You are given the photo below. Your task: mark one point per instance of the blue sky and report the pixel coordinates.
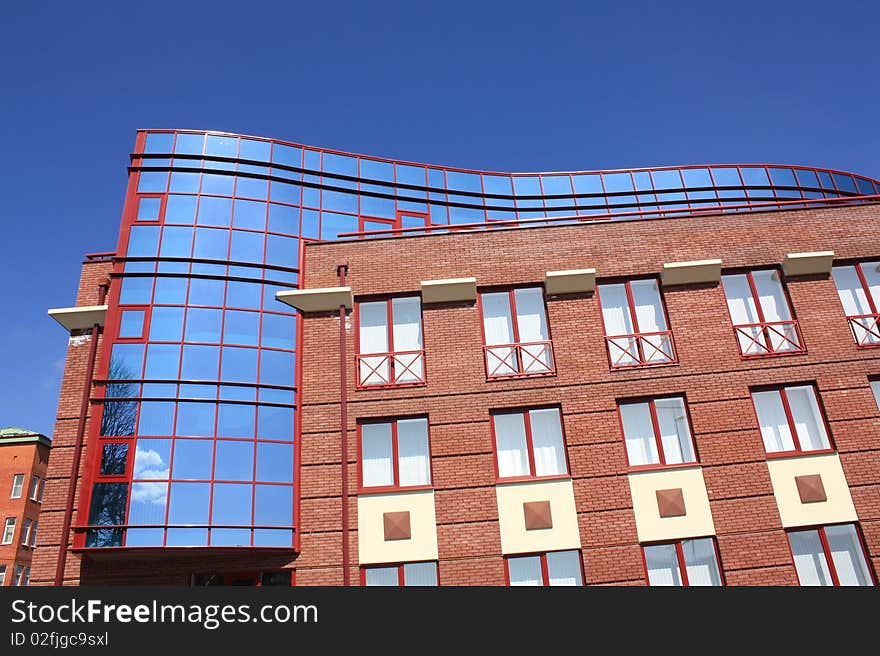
(502, 86)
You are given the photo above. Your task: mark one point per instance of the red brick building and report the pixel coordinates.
(663, 376)
(23, 458)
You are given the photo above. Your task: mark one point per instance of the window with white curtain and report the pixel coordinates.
(35, 488)
(529, 443)
(790, 419)
(683, 563)
(19, 575)
(395, 453)
(657, 432)
(2, 575)
(830, 555)
(26, 531)
(554, 568)
(636, 329)
(405, 574)
(517, 339)
(875, 387)
(760, 313)
(8, 531)
(390, 350)
(17, 485)
(858, 287)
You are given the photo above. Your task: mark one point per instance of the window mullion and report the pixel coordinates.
(828, 559)
(768, 344)
(391, 375)
(783, 394)
(682, 565)
(655, 424)
(866, 288)
(631, 305)
(530, 447)
(401, 580)
(395, 470)
(545, 571)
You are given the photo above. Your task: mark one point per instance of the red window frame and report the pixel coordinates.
(529, 444)
(655, 424)
(786, 406)
(163, 198)
(679, 552)
(872, 320)
(784, 329)
(545, 572)
(143, 337)
(518, 346)
(401, 581)
(638, 336)
(396, 486)
(826, 549)
(390, 356)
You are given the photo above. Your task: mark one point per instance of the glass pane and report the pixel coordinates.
(675, 435)
(510, 445)
(615, 310)
(700, 562)
(852, 293)
(279, 331)
(662, 562)
(649, 310)
(277, 368)
(118, 418)
(107, 507)
(274, 506)
(274, 462)
(275, 423)
(740, 301)
(163, 361)
(525, 571)
(381, 576)
(151, 459)
(773, 422)
(188, 503)
(809, 558)
(407, 317)
(875, 387)
(638, 432)
(420, 574)
(531, 317)
(195, 419)
(547, 442)
(126, 361)
(113, 459)
(412, 452)
(808, 420)
(148, 501)
(497, 321)
(847, 555)
(234, 461)
(200, 362)
(772, 298)
(192, 459)
(376, 455)
(231, 504)
(180, 209)
(564, 568)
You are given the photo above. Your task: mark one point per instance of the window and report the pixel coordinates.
(829, 555)
(657, 432)
(34, 535)
(552, 568)
(17, 577)
(875, 387)
(394, 453)
(790, 419)
(26, 577)
(8, 531)
(42, 487)
(26, 531)
(407, 574)
(390, 350)
(515, 332)
(687, 562)
(17, 485)
(761, 314)
(636, 330)
(2, 575)
(529, 443)
(35, 489)
(858, 286)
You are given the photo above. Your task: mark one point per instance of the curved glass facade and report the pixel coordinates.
(197, 443)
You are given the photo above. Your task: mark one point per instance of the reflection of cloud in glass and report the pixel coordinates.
(154, 493)
(149, 464)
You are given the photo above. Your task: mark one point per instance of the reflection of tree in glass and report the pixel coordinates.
(113, 459)
(118, 417)
(107, 509)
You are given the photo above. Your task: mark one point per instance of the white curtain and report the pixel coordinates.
(510, 443)
(675, 436)
(700, 562)
(498, 329)
(847, 555)
(376, 455)
(807, 418)
(651, 318)
(638, 431)
(420, 574)
(849, 288)
(662, 565)
(875, 386)
(412, 452)
(742, 308)
(871, 271)
(774, 425)
(774, 305)
(525, 570)
(564, 568)
(618, 321)
(531, 321)
(809, 558)
(381, 576)
(547, 442)
(407, 334)
(373, 338)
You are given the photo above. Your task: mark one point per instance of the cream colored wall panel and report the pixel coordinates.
(838, 507)
(422, 544)
(651, 527)
(511, 520)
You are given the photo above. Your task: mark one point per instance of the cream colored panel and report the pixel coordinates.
(79, 318)
(446, 291)
(804, 264)
(422, 545)
(687, 273)
(317, 300)
(511, 520)
(651, 527)
(570, 282)
(838, 507)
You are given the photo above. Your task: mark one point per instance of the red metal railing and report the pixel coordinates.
(865, 329)
(769, 338)
(397, 368)
(641, 349)
(520, 359)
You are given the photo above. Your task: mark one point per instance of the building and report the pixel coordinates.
(623, 377)
(23, 458)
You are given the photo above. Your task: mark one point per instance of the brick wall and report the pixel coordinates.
(30, 460)
(711, 374)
